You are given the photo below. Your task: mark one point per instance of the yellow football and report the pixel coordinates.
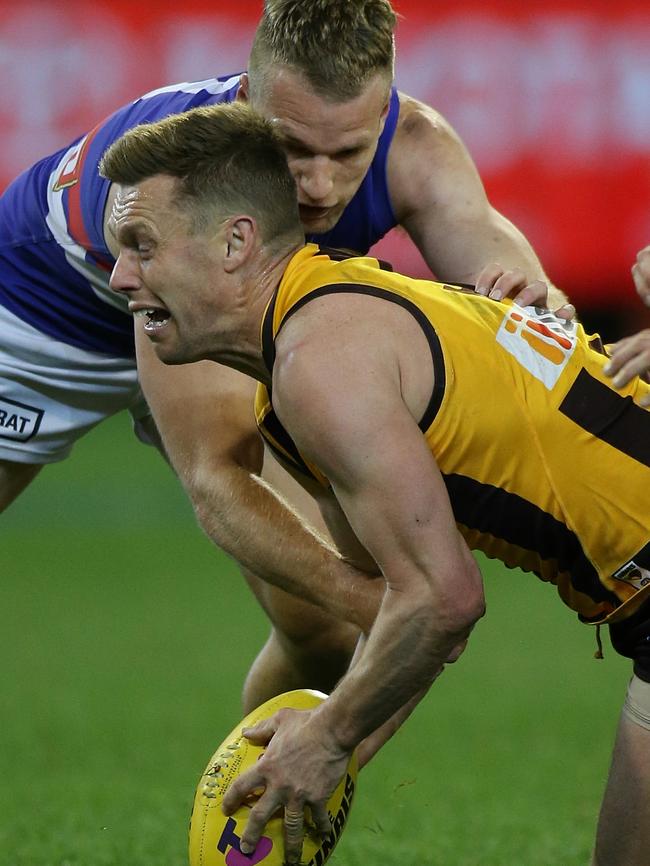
(214, 838)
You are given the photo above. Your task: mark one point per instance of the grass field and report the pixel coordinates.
(125, 638)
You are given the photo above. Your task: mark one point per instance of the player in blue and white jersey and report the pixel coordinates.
(365, 159)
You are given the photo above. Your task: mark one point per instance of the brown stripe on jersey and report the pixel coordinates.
(339, 254)
(596, 343)
(268, 341)
(281, 443)
(617, 420)
(505, 515)
(438, 390)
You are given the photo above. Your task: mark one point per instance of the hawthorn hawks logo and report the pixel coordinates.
(539, 340)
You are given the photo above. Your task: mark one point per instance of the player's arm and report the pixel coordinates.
(204, 412)
(439, 198)
(346, 412)
(630, 356)
(393, 495)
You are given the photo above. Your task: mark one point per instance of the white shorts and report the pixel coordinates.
(52, 393)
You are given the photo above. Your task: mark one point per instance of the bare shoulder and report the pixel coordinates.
(324, 340)
(427, 158)
(341, 353)
(419, 125)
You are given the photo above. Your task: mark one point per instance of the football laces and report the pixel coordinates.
(216, 772)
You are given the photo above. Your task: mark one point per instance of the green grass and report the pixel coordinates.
(125, 637)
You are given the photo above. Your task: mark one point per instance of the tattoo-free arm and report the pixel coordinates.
(342, 402)
(439, 198)
(395, 499)
(204, 413)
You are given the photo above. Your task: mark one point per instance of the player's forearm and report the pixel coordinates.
(369, 747)
(243, 517)
(410, 641)
(491, 241)
(517, 252)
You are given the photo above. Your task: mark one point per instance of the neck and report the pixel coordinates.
(242, 347)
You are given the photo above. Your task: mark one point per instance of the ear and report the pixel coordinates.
(244, 88)
(241, 238)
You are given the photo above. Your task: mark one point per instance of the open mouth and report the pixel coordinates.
(156, 318)
(309, 213)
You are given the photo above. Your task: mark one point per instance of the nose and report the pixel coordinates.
(124, 277)
(316, 179)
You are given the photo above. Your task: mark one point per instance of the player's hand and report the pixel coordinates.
(641, 275)
(496, 282)
(301, 766)
(630, 357)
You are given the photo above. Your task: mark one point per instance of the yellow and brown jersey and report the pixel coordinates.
(546, 465)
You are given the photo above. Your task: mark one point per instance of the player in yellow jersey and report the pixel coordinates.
(425, 421)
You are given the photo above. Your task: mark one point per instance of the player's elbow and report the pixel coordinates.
(460, 601)
(447, 614)
(461, 614)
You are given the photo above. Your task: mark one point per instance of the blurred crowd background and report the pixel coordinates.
(552, 100)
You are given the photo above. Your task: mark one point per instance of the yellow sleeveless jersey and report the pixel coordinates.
(546, 465)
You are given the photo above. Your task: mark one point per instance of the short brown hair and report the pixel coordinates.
(338, 45)
(227, 158)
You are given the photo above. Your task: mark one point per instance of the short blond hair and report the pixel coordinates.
(338, 45)
(227, 158)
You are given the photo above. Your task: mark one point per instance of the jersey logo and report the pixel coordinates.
(18, 421)
(540, 341)
(633, 574)
(70, 171)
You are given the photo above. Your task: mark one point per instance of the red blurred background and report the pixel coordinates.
(552, 100)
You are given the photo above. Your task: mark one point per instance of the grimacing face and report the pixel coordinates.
(329, 145)
(166, 269)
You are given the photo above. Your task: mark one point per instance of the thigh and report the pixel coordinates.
(52, 393)
(623, 836)
(299, 623)
(14, 478)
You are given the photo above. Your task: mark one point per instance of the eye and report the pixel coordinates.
(350, 153)
(298, 152)
(143, 244)
(144, 252)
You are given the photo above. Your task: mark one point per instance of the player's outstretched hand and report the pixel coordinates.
(496, 282)
(641, 275)
(630, 357)
(300, 768)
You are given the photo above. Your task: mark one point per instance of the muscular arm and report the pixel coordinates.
(395, 499)
(440, 200)
(204, 413)
(343, 393)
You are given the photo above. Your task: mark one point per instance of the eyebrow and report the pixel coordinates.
(291, 141)
(131, 232)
